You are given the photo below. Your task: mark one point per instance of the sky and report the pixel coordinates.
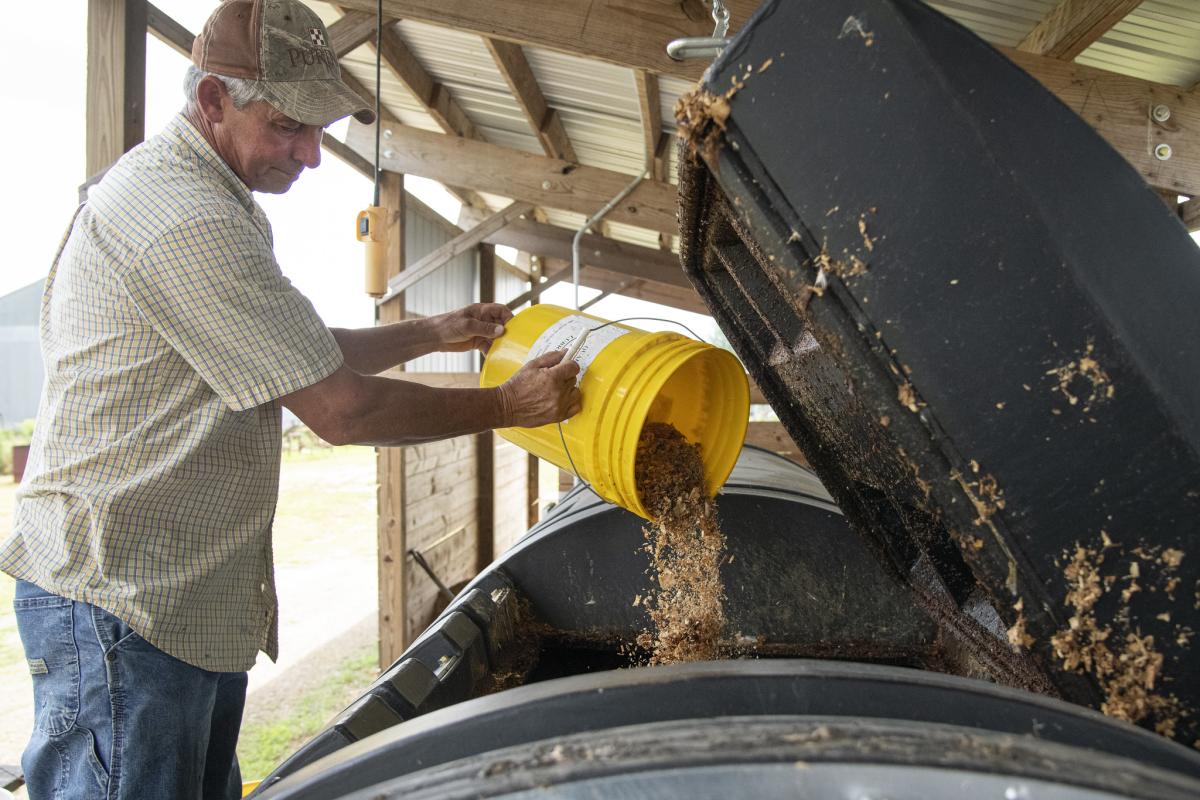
(313, 224)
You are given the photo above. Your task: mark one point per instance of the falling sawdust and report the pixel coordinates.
(1124, 663)
(686, 548)
(1082, 381)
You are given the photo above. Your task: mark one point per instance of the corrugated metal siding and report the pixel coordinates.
(1003, 23)
(1159, 41)
(508, 285)
(21, 373)
(453, 286)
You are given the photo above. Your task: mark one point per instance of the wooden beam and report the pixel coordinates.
(394, 635)
(546, 124)
(650, 291)
(485, 443)
(456, 246)
(116, 80)
(631, 33)
(1118, 107)
(547, 182)
(354, 28)
(650, 103)
(168, 31)
(1189, 212)
(1073, 25)
(595, 251)
(352, 159)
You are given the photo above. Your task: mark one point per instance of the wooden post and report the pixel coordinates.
(393, 540)
(485, 443)
(116, 80)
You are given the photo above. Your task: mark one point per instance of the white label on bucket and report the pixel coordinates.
(562, 334)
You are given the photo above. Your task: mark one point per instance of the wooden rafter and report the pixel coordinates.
(451, 249)
(354, 28)
(550, 241)
(547, 182)
(544, 120)
(1073, 25)
(1189, 212)
(625, 32)
(650, 103)
(351, 158)
(614, 282)
(168, 31)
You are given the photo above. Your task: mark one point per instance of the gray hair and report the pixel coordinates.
(241, 90)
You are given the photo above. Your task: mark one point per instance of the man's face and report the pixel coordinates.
(267, 149)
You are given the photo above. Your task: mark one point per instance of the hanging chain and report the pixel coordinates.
(720, 15)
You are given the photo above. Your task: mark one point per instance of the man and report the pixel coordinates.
(141, 540)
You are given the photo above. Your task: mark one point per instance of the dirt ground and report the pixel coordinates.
(325, 572)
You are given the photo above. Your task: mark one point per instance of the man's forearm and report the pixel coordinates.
(398, 412)
(369, 351)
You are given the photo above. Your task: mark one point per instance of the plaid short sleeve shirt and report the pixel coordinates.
(168, 332)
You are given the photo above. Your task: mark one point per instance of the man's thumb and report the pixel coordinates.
(546, 360)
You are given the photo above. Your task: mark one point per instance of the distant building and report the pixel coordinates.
(21, 371)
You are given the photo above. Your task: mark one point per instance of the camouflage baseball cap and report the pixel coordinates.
(285, 46)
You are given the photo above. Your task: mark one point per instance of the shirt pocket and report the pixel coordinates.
(48, 636)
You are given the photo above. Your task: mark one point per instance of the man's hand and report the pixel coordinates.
(541, 392)
(471, 328)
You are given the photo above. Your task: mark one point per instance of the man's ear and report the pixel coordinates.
(209, 95)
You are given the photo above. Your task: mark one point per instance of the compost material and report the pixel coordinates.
(686, 548)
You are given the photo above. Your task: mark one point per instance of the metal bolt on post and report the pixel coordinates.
(1160, 113)
(1163, 151)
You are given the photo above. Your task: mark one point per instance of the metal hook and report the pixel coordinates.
(703, 46)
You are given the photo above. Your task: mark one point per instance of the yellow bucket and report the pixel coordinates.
(628, 377)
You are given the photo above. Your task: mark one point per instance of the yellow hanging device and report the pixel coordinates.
(372, 228)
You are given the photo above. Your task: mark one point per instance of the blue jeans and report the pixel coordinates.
(118, 718)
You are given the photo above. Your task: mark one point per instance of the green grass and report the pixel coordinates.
(263, 746)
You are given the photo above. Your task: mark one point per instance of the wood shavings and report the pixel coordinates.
(1018, 637)
(1083, 375)
(1124, 663)
(766, 64)
(701, 116)
(686, 548)
(1171, 558)
(868, 241)
(908, 397)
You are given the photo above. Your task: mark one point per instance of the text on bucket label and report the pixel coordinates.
(562, 334)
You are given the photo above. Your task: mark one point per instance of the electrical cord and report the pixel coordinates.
(561, 437)
(378, 93)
